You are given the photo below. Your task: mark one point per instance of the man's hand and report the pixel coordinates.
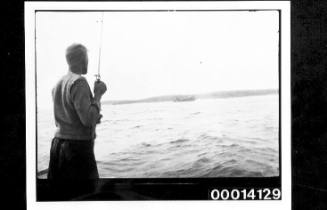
(99, 89)
(99, 119)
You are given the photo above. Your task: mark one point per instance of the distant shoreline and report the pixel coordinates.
(182, 97)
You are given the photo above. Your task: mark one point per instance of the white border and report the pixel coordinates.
(30, 8)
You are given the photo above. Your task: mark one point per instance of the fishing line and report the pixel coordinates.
(97, 76)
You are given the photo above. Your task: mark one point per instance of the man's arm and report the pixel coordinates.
(87, 108)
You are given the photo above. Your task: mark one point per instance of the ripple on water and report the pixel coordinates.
(179, 141)
(145, 144)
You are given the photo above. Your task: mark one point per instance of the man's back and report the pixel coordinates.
(72, 97)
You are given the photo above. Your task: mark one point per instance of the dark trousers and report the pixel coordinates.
(72, 168)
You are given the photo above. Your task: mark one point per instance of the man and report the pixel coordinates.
(76, 112)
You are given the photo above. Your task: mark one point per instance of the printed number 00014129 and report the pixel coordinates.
(246, 194)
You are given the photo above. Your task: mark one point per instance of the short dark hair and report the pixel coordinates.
(75, 56)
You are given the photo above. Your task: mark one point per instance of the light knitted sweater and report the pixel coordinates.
(76, 114)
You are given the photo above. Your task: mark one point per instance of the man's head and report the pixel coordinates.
(76, 56)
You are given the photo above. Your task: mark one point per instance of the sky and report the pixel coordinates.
(145, 54)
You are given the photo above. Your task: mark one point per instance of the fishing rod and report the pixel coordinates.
(97, 76)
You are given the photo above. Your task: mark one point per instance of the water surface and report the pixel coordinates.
(231, 137)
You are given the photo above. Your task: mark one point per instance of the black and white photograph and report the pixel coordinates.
(175, 93)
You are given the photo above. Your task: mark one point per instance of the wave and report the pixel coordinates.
(232, 171)
(208, 137)
(146, 144)
(179, 141)
(137, 126)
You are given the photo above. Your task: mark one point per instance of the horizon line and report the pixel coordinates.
(203, 95)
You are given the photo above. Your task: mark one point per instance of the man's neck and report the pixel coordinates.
(73, 73)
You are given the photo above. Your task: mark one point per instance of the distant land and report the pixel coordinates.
(192, 97)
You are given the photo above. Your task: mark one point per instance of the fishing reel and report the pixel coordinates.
(97, 77)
